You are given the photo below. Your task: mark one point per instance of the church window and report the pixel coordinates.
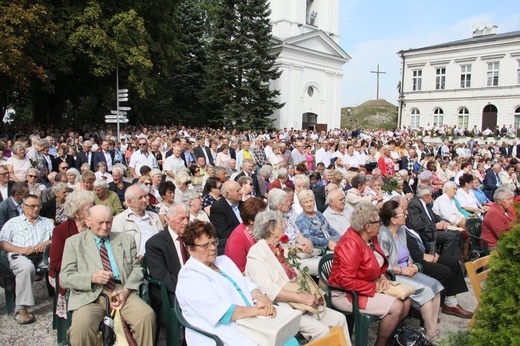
(438, 116)
(440, 78)
(415, 118)
(463, 118)
(492, 74)
(465, 76)
(417, 80)
(310, 91)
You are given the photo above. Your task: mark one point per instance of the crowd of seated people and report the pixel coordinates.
(325, 191)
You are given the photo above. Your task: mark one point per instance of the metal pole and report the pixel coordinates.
(117, 100)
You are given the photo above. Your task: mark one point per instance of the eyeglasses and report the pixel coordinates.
(148, 184)
(188, 182)
(32, 176)
(376, 222)
(399, 215)
(206, 246)
(33, 206)
(5, 173)
(218, 187)
(64, 167)
(142, 144)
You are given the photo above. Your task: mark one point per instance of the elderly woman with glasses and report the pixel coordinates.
(313, 224)
(106, 197)
(193, 199)
(75, 208)
(182, 184)
(392, 238)
(32, 177)
(360, 265)
(213, 293)
(267, 266)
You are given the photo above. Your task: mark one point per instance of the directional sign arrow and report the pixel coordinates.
(113, 121)
(120, 112)
(125, 108)
(114, 116)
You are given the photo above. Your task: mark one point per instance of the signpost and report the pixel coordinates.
(118, 115)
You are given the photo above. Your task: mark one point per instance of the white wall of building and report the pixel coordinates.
(505, 96)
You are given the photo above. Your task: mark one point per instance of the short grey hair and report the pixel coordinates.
(266, 171)
(502, 193)
(181, 178)
(448, 185)
(282, 173)
(175, 207)
(101, 183)
(77, 200)
(75, 172)
(275, 197)
(118, 170)
(302, 178)
(59, 187)
(17, 146)
(423, 191)
(425, 175)
(265, 222)
(190, 195)
(363, 214)
(155, 171)
(358, 180)
(306, 193)
(32, 170)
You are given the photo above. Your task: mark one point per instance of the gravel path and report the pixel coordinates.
(41, 333)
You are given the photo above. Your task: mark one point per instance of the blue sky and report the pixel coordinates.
(372, 31)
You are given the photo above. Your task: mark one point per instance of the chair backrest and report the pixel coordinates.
(186, 324)
(324, 267)
(476, 278)
(474, 226)
(335, 338)
(46, 257)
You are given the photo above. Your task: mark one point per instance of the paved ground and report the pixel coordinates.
(41, 333)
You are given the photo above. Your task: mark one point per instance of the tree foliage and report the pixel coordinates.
(184, 61)
(498, 314)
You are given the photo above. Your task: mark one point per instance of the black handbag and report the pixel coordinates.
(406, 336)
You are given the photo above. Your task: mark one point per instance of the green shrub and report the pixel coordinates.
(498, 316)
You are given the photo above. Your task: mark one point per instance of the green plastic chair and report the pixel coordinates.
(185, 324)
(361, 321)
(171, 323)
(479, 246)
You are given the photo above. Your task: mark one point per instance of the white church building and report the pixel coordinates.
(305, 35)
(466, 83)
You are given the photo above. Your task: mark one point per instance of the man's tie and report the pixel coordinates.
(103, 253)
(184, 253)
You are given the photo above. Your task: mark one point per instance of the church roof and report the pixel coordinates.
(317, 41)
(472, 40)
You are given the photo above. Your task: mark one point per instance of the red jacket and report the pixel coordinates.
(495, 223)
(355, 267)
(61, 233)
(238, 245)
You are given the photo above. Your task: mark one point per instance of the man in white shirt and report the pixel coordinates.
(136, 221)
(173, 163)
(323, 154)
(336, 214)
(141, 157)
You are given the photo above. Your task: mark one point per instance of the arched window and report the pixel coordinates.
(517, 117)
(415, 116)
(438, 116)
(463, 118)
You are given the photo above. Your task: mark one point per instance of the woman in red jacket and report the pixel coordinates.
(359, 265)
(76, 208)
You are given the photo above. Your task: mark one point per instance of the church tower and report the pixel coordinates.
(306, 37)
(294, 17)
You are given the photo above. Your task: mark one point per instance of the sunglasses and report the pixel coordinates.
(32, 176)
(148, 184)
(142, 144)
(188, 182)
(64, 167)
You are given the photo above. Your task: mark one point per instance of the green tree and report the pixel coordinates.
(498, 314)
(241, 66)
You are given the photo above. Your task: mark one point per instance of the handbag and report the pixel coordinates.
(399, 290)
(315, 290)
(406, 336)
(271, 331)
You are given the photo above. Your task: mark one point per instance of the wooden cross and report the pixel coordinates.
(378, 73)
